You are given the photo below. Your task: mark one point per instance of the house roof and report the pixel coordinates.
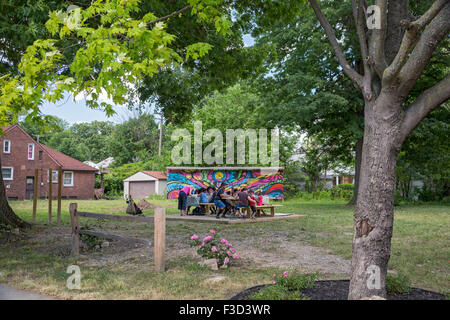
(66, 162)
(5, 128)
(160, 175)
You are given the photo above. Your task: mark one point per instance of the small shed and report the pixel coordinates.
(144, 183)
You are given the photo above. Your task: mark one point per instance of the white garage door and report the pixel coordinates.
(141, 189)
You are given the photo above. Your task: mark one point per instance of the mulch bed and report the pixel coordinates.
(338, 290)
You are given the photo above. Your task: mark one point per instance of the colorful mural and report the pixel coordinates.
(270, 184)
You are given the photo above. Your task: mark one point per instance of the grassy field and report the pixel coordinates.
(420, 249)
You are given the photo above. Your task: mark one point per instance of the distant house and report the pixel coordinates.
(21, 155)
(145, 183)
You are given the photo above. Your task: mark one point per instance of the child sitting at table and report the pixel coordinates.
(204, 198)
(259, 200)
(245, 201)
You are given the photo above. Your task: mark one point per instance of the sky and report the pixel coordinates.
(76, 111)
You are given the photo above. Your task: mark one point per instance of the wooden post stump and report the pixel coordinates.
(35, 193)
(58, 214)
(50, 195)
(75, 234)
(160, 239)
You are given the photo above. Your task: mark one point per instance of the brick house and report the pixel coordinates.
(21, 155)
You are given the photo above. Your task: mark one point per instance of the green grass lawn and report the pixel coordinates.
(420, 249)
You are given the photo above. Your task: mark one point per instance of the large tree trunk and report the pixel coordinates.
(7, 215)
(374, 211)
(358, 156)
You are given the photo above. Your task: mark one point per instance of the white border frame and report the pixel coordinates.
(9, 150)
(28, 146)
(73, 178)
(12, 173)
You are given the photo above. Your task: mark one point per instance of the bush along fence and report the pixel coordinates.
(159, 222)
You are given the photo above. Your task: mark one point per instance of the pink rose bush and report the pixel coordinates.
(213, 246)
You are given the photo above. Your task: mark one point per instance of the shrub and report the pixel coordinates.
(276, 292)
(5, 227)
(286, 287)
(90, 241)
(399, 284)
(213, 248)
(342, 191)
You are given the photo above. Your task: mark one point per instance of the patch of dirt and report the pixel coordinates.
(144, 205)
(260, 249)
(338, 290)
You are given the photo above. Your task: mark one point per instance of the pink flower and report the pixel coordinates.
(212, 231)
(206, 239)
(214, 249)
(226, 260)
(194, 237)
(229, 245)
(224, 241)
(285, 274)
(202, 245)
(273, 282)
(235, 256)
(274, 275)
(233, 250)
(229, 253)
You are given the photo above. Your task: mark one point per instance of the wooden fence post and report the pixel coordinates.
(50, 195)
(35, 193)
(59, 195)
(160, 238)
(75, 234)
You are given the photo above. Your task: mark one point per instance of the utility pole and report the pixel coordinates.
(160, 133)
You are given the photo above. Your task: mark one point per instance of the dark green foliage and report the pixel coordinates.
(90, 241)
(5, 227)
(425, 156)
(342, 191)
(134, 140)
(398, 284)
(286, 287)
(276, 292)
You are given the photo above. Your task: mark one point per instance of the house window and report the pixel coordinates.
(6, 146)
(7, 173)
(40, 155)
(54, 176)
(68, 178)
(31, 151)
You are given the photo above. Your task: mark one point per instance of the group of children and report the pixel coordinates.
(223, 200)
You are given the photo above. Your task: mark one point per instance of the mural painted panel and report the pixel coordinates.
(270, 184)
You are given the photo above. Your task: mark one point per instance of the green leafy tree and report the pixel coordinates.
(238, 107)
(425, 156)
(84, 141)
(42, 132)
(134, 140)
(394, 55)
(112, 47)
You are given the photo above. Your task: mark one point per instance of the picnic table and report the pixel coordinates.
(272, 207)
(210, 207)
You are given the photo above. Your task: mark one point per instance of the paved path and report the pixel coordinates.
(9, 293)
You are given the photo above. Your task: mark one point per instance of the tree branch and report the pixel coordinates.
(378, 39)
(173, 14)
(410, 38)
(429, 100)
(348, 70)
(358, 15)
